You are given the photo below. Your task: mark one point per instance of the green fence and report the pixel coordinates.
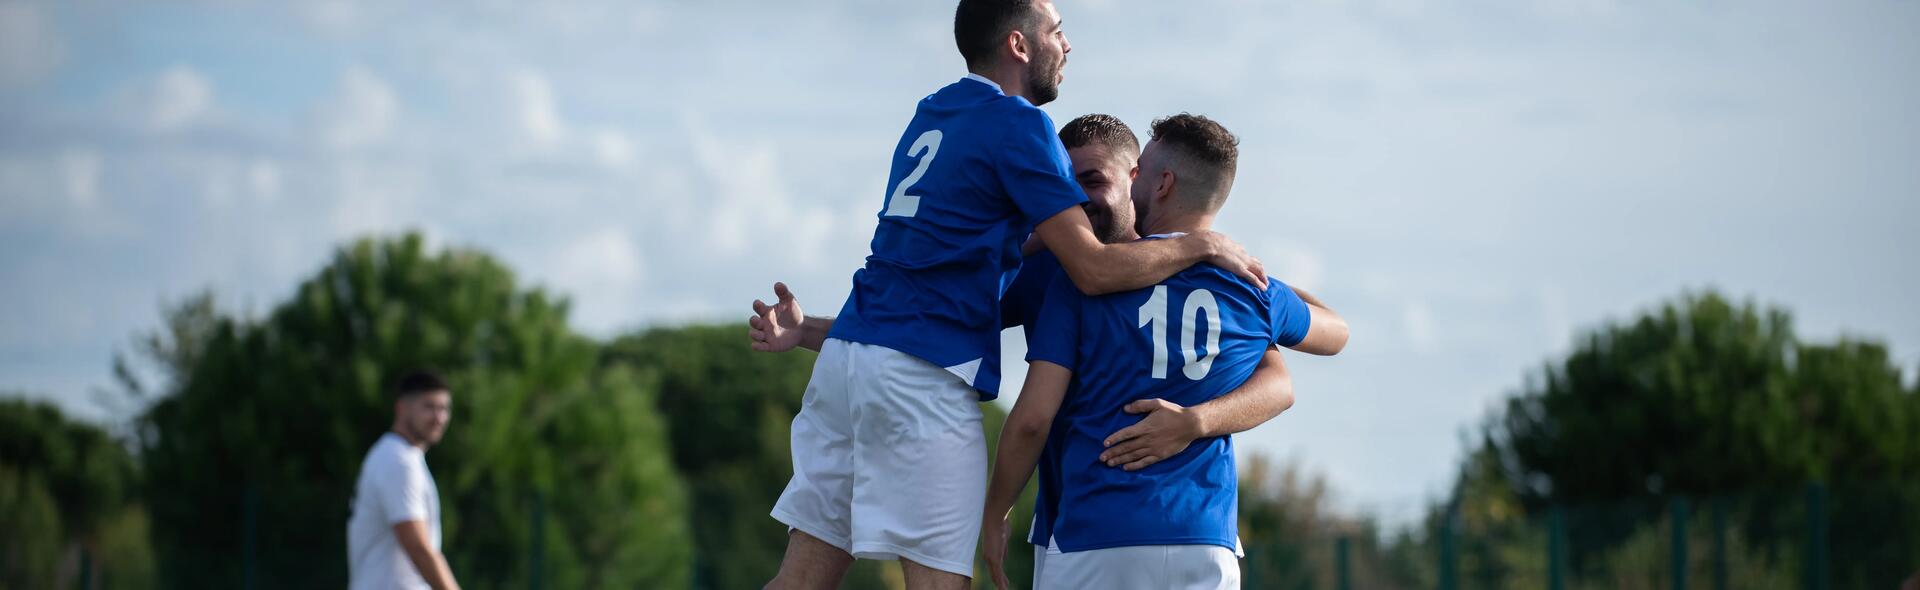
(1814, 537)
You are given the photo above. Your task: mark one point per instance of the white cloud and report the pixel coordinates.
(745, 186)
(263, 180)
(1555, 320)
(29, 46)
(602, 270)
(534, 107)
(1418, 323)
(374, 197)
(329, 16)
(1579, 9)
(361, 113)
(80, 169)
(612, 148)
(181, 96)
(1299, 267)
(649, 18)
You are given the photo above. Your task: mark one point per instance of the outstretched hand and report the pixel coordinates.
(776, 328)
(1166, 431)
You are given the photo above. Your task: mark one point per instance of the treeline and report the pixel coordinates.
(1702, 440)
(652, 460)
(648, 461)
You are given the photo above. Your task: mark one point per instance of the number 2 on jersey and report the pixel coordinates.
(901, 204)
(1153, 316)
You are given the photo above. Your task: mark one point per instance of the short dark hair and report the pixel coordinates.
(1100, 129)
(417, 383)
(1206, 149)
(979, 26)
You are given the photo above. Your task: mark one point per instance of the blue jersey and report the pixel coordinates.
(975, 171)
(1190, 339)
(1021, 307)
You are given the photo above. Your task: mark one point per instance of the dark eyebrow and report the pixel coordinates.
(1059, 23)
(1091, 174)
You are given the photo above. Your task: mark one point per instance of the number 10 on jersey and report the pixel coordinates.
(1153, 317)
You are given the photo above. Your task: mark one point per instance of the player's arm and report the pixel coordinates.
(1098, 268)
(432, 566)
(1168, 427)
(1326, 330)
(1021, 440)
(781, 326)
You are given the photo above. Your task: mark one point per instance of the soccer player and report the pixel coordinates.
(1103, 152)
(393, 535)
(1186, 340)
(889, 460)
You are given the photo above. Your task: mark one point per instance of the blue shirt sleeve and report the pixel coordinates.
(1056, 335)
(1021, 303)
(1287, 314)
(1034, 169)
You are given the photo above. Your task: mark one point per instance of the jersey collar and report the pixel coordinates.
(983, 80)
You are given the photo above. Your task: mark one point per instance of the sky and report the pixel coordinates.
(1472, 184)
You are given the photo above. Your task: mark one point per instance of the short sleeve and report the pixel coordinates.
(1023, 298)
(1056, 334)
(402, 488)
(1033, 168)
(1287, 314)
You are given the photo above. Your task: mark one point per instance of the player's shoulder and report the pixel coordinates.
(391, 454)
(1023, 116)
(1226, 284)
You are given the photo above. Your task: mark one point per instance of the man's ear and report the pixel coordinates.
(1016, 43)
(1167, 181)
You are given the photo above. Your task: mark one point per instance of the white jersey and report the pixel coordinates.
(394, 487)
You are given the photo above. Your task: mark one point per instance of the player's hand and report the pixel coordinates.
(1229, 255)
(1167, 430)
(776, 328)
(993, 547)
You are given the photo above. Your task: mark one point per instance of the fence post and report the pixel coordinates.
(537, 538)
(249, 529)
(86, 569)
(1679, 544)
(1816, 536)
(1720, 543)
(1449, 577)
(1556, 547)
(1340, 564)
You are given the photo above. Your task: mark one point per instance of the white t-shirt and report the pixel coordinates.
(394, 487)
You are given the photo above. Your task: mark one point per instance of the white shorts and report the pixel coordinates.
(889, 460)
(1144, 567)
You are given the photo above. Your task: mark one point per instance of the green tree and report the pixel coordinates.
(1290, 531)
(254, 446)
(1706, 398)
(66, 488)
(728, 410)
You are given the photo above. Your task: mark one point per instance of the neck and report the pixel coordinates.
(1179, 222)
(1009, 78)
(402, 433)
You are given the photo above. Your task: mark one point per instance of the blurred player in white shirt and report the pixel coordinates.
(393, 536)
